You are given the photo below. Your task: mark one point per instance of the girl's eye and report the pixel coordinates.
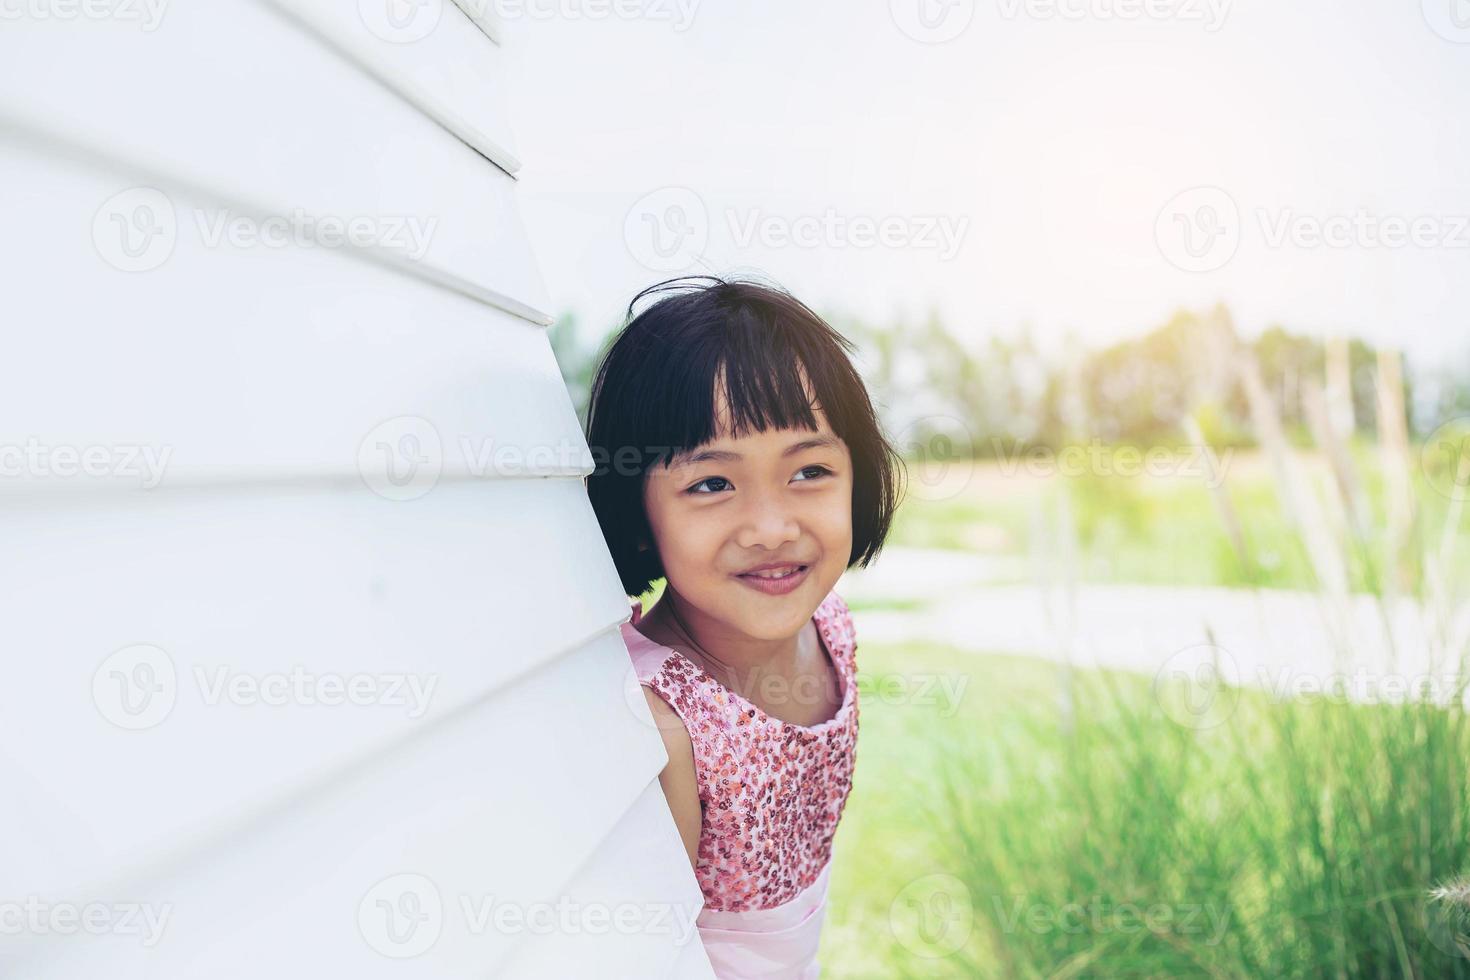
(820, 471)
(709, 479)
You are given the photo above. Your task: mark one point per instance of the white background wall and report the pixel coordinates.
(311, 470)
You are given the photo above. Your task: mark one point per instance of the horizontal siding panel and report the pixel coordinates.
(500, 802)
(467, 588)
(630, 876)
(255, 363)
(482, 12)
(437, 57)
(238, 100)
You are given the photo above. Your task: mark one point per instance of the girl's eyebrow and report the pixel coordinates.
(726, 456)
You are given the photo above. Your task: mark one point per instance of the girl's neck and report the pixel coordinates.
(738, 661)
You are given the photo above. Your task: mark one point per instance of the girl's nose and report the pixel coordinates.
(769, 523)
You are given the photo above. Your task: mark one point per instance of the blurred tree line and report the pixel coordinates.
(1006, 391)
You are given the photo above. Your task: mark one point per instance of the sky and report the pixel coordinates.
(1084, 167)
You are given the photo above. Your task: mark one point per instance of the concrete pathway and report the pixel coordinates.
(1282, 641)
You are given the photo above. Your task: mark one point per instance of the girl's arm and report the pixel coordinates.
(677, 778)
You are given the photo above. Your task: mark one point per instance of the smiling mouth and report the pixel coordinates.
(775, 574)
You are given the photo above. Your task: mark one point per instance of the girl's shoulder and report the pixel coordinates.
(647, 656)
(835, 615)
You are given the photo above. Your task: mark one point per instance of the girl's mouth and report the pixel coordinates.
(776, 581)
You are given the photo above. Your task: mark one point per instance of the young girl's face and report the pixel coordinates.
(732, 504)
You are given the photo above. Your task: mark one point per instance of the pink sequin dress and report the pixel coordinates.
(771, 793)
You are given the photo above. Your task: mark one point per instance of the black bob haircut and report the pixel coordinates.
(653, 397)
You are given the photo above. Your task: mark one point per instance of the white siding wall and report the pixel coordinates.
(302, 839)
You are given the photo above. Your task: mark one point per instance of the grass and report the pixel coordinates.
(1012, 837)
(1060, 824)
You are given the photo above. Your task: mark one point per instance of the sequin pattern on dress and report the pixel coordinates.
(772, 791)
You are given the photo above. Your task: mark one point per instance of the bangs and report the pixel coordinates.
(753, 366)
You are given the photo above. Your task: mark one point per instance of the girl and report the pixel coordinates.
(740, 460)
